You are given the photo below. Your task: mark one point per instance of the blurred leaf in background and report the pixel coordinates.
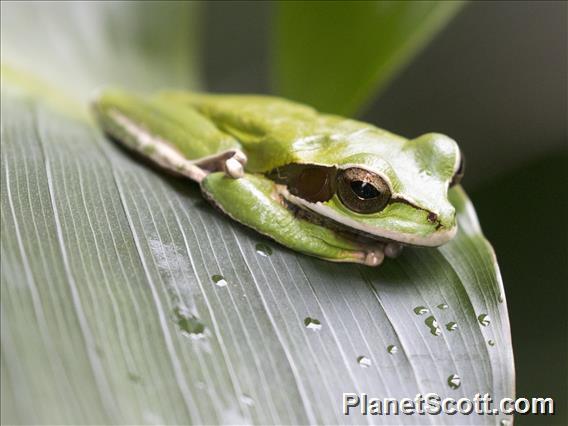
(339, 54)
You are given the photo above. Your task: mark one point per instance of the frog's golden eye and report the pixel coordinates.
(458, 175)
(362, 191)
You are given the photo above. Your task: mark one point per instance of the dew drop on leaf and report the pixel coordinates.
(392, 349)
(451, 326)
(484, 320)
(263, 249)
(421, 310)
(363, 361)
(247, 400)
(219, 280)
(443, 306)
(491, 342)
(454, 381)
(188, 323)
(312, 324)
(433, 325)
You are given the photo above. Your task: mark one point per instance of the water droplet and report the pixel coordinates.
(500, 298)
(263, 249)
(454, 381)
(219, 280)
(312, 324)
(433, 325)
(451, 326)
(188, 323)
(133, 377)
(443, 306)
(491, 342)
(421, 310)
(484, 320)
(392, 349)
(504, 422)
(247, 400)
(363, 361)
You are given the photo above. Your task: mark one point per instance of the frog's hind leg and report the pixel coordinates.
(175, 137)
(122, 129)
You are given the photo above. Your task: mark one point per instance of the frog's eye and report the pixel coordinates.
(458, 174)
(362, 191)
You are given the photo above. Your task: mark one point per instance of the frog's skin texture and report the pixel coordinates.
(323, 185)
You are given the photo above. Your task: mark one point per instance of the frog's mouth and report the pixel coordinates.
(393, 242)
(390, 248)
(361, 191)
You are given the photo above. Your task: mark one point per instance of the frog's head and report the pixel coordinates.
(398, 194)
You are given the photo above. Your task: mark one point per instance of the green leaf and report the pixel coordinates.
(127, 299)
(337, 55)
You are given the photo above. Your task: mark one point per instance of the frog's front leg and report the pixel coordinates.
(255, 202)
(175, 137)
(232, 163)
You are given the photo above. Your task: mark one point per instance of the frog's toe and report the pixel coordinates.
(240, 157)
(234, 168)
(393, 250)
(235, 165)
(374, 258)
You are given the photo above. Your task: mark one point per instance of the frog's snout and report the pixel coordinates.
(446, 223)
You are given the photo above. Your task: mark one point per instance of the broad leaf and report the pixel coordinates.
(335, 55)
(127, 299)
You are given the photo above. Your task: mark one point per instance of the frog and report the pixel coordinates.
(320, 184)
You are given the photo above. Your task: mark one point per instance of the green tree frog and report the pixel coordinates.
(324, 185)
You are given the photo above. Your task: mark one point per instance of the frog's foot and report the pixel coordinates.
(374, 257)
(234, 166)
(393, 250)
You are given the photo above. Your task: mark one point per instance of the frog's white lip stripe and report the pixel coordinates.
(434, 240)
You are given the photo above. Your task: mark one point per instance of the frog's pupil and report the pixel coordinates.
(364, 190)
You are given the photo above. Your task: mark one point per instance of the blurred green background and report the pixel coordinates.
(495, 80)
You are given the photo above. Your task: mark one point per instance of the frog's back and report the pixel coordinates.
(274, 131)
